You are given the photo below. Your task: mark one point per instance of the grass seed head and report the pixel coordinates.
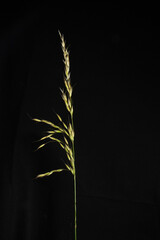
(66, 140)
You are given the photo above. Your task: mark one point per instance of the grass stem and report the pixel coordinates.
(75, 207)
(75, 186)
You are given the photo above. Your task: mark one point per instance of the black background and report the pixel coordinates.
(114, 54)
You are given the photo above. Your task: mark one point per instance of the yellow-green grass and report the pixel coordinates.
(63, 134)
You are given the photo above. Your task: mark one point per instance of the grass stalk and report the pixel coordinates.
(63, 134)
(75, 207)
(75, 189)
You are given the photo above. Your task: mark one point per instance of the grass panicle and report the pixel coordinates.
(66, 141)
(63, 133)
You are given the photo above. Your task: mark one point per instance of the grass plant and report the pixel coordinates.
(63, 133)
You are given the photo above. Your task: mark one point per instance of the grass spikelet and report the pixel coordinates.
(43, 138)
(41, 146)
(47, 174)
(60, 119)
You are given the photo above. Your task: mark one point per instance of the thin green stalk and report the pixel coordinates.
(75, 187)
(75, 207)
